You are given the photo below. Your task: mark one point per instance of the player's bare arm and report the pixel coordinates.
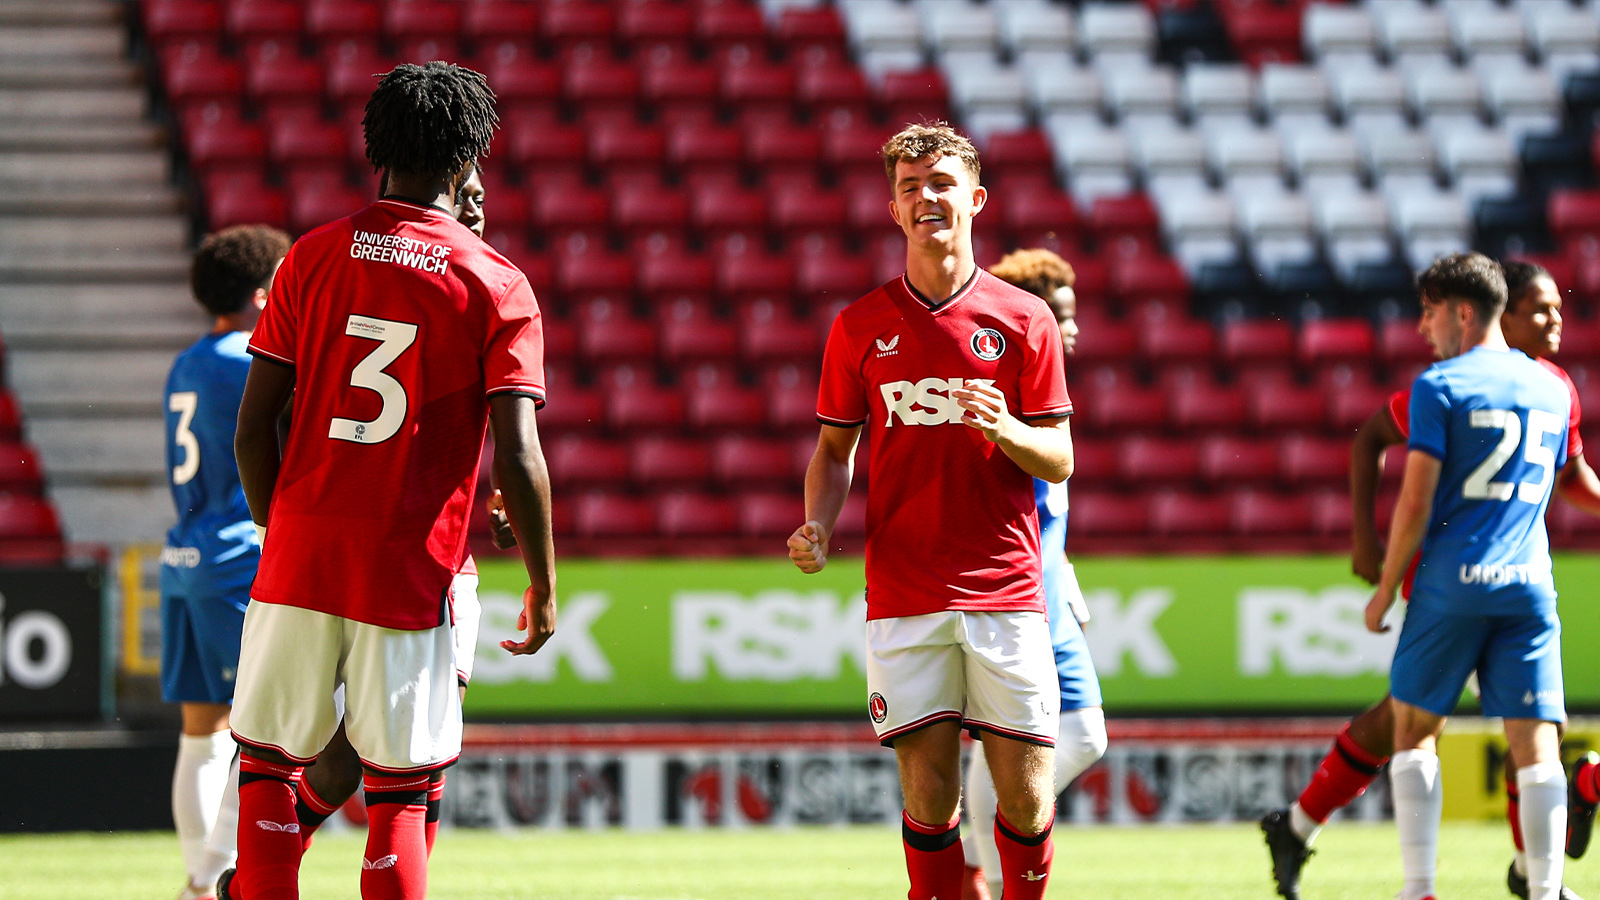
(519, 468)
(1411, 513)
(827, 483)
(267, 390)
(1578, 485)
(1043, 449)
(1375, 435)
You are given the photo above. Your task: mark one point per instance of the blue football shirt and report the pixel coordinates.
(1497, 421)
(214, 539)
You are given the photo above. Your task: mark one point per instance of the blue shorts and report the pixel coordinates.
(1080, 686)
(200, 645)
(1517, 658)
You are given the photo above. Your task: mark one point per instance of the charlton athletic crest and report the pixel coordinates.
(878, 706)
(988, 344)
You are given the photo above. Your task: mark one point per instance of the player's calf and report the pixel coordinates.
(269, 833)
(396, 863)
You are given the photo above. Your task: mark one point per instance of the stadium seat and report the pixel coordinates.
(757, 82)
(1183, 513)
(770, 515)
(1262, 513)
(1227, 460)
(240, 199)
(822, 277)
(598, 515)
(169, 20)
(20, 472)
(1111, 514)
(310, 209)
(1096, 460)
(198, 72)
(250, 20)
(655, 20)
(1122, 409)
(230, 145)
(768, 332)
(739, 461)
(328, 20)
(1203, 404)
(598, 81)
(1399, 343)
(1271, 407)
(578, 461)
(572, 24)
(717, 408)
(723, 208)
(1177, 338)
(645, 407)
(755, 274)
(590, 271)
(695, 515)
(30, 532)
(654, 462)
(1348, 408)
(10, 417)
(1148, 460)
(1304, 459)
(1256, 340)
(487, 20)
(307, 143)
(1334, 340)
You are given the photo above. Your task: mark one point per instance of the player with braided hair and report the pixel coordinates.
(400, 334)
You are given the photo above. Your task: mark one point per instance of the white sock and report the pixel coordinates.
(1544, 826)
(979, 796)
(1418, 799)
(1519, 860)
(1081, 742)
(198, 782)
(1301, 823)
(223, 841)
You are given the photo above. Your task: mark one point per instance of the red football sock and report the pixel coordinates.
(933, 858)
(435, 796)
(396, 863)
(1513, 814)
(310, 809)
(1024, 859)
(269, 835)
(1588, 784)
(1343, 776)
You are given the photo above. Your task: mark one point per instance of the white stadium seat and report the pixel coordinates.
(958, 25)
(1322, 184)
(1422, 251)
(1238, 151)
(882, 26)
(1097, 150)
(1116, 28)
(1486, 29)
(1218, 87)
(1431, 214)
(1035, 25)
(1561, 28)
(1289, 89)
(1275, 216)
(1087, 187)
(1361, 89)
(1067, 88)
(1332, 29)
(981, 83)
(1159, 152)
(1140, 89)
(1351, 216)
(1311, 152)
(1345, 254)
(1523, 90)
(1195, 253)
(1191, 217)
(1410, 29)
(1271, 252)
(1443, 89)
(1391, 152)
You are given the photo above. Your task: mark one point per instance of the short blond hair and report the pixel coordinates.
(937, 140)
(1038, 271)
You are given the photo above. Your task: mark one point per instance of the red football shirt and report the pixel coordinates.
(1400, 414)
(399, 323)
(951, 520)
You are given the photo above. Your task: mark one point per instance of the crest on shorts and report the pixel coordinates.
(878, 706)
(988, 344)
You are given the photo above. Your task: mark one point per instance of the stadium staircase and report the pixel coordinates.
(93, 266)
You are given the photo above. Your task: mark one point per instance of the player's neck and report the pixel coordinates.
(1489, 339)
(437, 193)
(938, 276)
(228, 324)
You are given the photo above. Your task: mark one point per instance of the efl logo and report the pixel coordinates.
(925, 402)
(988, 344)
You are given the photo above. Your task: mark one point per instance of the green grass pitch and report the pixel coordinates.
(1173, 863)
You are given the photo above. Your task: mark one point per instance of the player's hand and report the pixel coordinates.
(1366, 560)
(808, 548)
(1377, 608)
(985, 407)
(538, 619)
(504, 537)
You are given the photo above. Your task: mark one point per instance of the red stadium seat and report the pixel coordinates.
(1123, 408)
(562, 206)
(914, 95)
(1262, 513)
(254, 19)
(804, 211)
(1256, 340)
(19, 469)
(649, 208)
(1335, 340)
(168, 20)
(1132, 216)
(627, 144)
(824, 276)
(244, 200)
(571, 410)
(655, 20)
(1041, 211)
(1184, 513)
(30, 532)
(1573, 212)
(613, 516)
(757, 81)
(728, 208)
(730, 23)
(667, 275)
(774, 515)
(695, 147)
(1355, 405)
(755, 274)
(1095, 459)
(1110, 341)
(412, 19)
(275, 72)
(1303, 459)
(307, 142)
(524, 80)
(1330, 512)
(310, 209)
(1177, 338)
(723, 407)
(788, 145)
(645, 406)
(695, 515)
(680, 81)
(800, 25)
(620, 338)
(738, 461)
(353, 66)
(1399, 342)
(825, 87)
(1144, 278)
(1226, 460)
(768, 332)
(793, 406)
(484, 20)
(1144, 460)
(10, 417)
(576, 461)
(1097, 512)
(225, 145)
(1273, 406)
(568, 23)
(196, 71)
(334, 19)
(687, 335)
(1019, 152)
(599, 79)
(1204, 404)
(657, 461)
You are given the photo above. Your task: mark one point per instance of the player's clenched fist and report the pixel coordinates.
(985, 406)
(808, 548)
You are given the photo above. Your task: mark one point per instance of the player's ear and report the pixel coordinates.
(980, 197)
(259, 298)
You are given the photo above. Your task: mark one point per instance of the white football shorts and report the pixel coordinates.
(467, 611)
(402, 708)
(990, 671)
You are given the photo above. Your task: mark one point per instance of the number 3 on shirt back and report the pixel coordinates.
(393, 338)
